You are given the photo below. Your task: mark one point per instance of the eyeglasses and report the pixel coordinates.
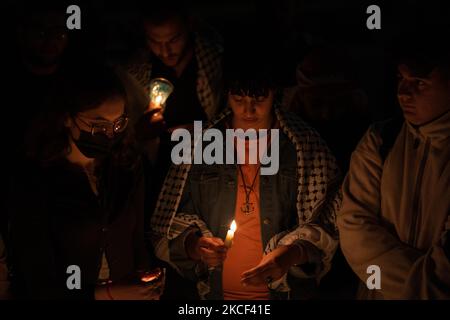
(107, 128)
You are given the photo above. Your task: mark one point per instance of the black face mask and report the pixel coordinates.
(97, 146)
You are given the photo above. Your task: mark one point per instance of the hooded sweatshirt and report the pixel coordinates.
(395, 214)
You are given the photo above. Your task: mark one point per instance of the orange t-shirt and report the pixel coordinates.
(246, 251)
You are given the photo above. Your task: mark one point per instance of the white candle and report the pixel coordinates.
(230, 234)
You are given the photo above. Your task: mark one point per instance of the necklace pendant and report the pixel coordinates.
(247, 208)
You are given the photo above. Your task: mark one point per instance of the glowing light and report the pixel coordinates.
(233, 226)
(230, 234)
(160, 90)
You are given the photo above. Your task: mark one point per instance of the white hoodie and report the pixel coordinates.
(394, 215)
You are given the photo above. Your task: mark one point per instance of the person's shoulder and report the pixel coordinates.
(385, 134)
(295, 125)
(384, 130)
(379, 138)
(209, 40)
(379, 126)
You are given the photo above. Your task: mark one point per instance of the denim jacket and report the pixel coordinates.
(297, 204)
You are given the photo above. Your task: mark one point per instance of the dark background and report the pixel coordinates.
(110, 30)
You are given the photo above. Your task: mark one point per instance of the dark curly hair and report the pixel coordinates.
(250, 69)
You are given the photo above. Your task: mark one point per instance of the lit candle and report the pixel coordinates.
(158, 100)
(160, 90)
(230, 234)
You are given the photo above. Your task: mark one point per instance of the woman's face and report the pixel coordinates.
(107, 113)
(95, 132)
(251, 112)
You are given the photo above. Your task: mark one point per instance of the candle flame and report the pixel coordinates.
(158, 99)
(233, 226)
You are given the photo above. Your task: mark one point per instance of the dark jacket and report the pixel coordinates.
(57, 221)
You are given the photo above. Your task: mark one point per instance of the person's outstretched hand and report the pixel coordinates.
(273, 266)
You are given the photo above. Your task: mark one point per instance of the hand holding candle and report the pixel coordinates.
(230, 235)
(211, 251)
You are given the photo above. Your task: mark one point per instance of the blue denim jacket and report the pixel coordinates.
(210, 193)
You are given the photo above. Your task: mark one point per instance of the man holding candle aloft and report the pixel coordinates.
(285, 233)
(179, 50)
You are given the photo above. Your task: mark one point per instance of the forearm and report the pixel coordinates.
(304, 252)
(315, 248)
(182, 253)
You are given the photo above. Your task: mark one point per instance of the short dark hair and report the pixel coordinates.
(249, 70)
(157, 13)
(424, 50)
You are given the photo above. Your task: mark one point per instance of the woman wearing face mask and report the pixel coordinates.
(77, 224)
